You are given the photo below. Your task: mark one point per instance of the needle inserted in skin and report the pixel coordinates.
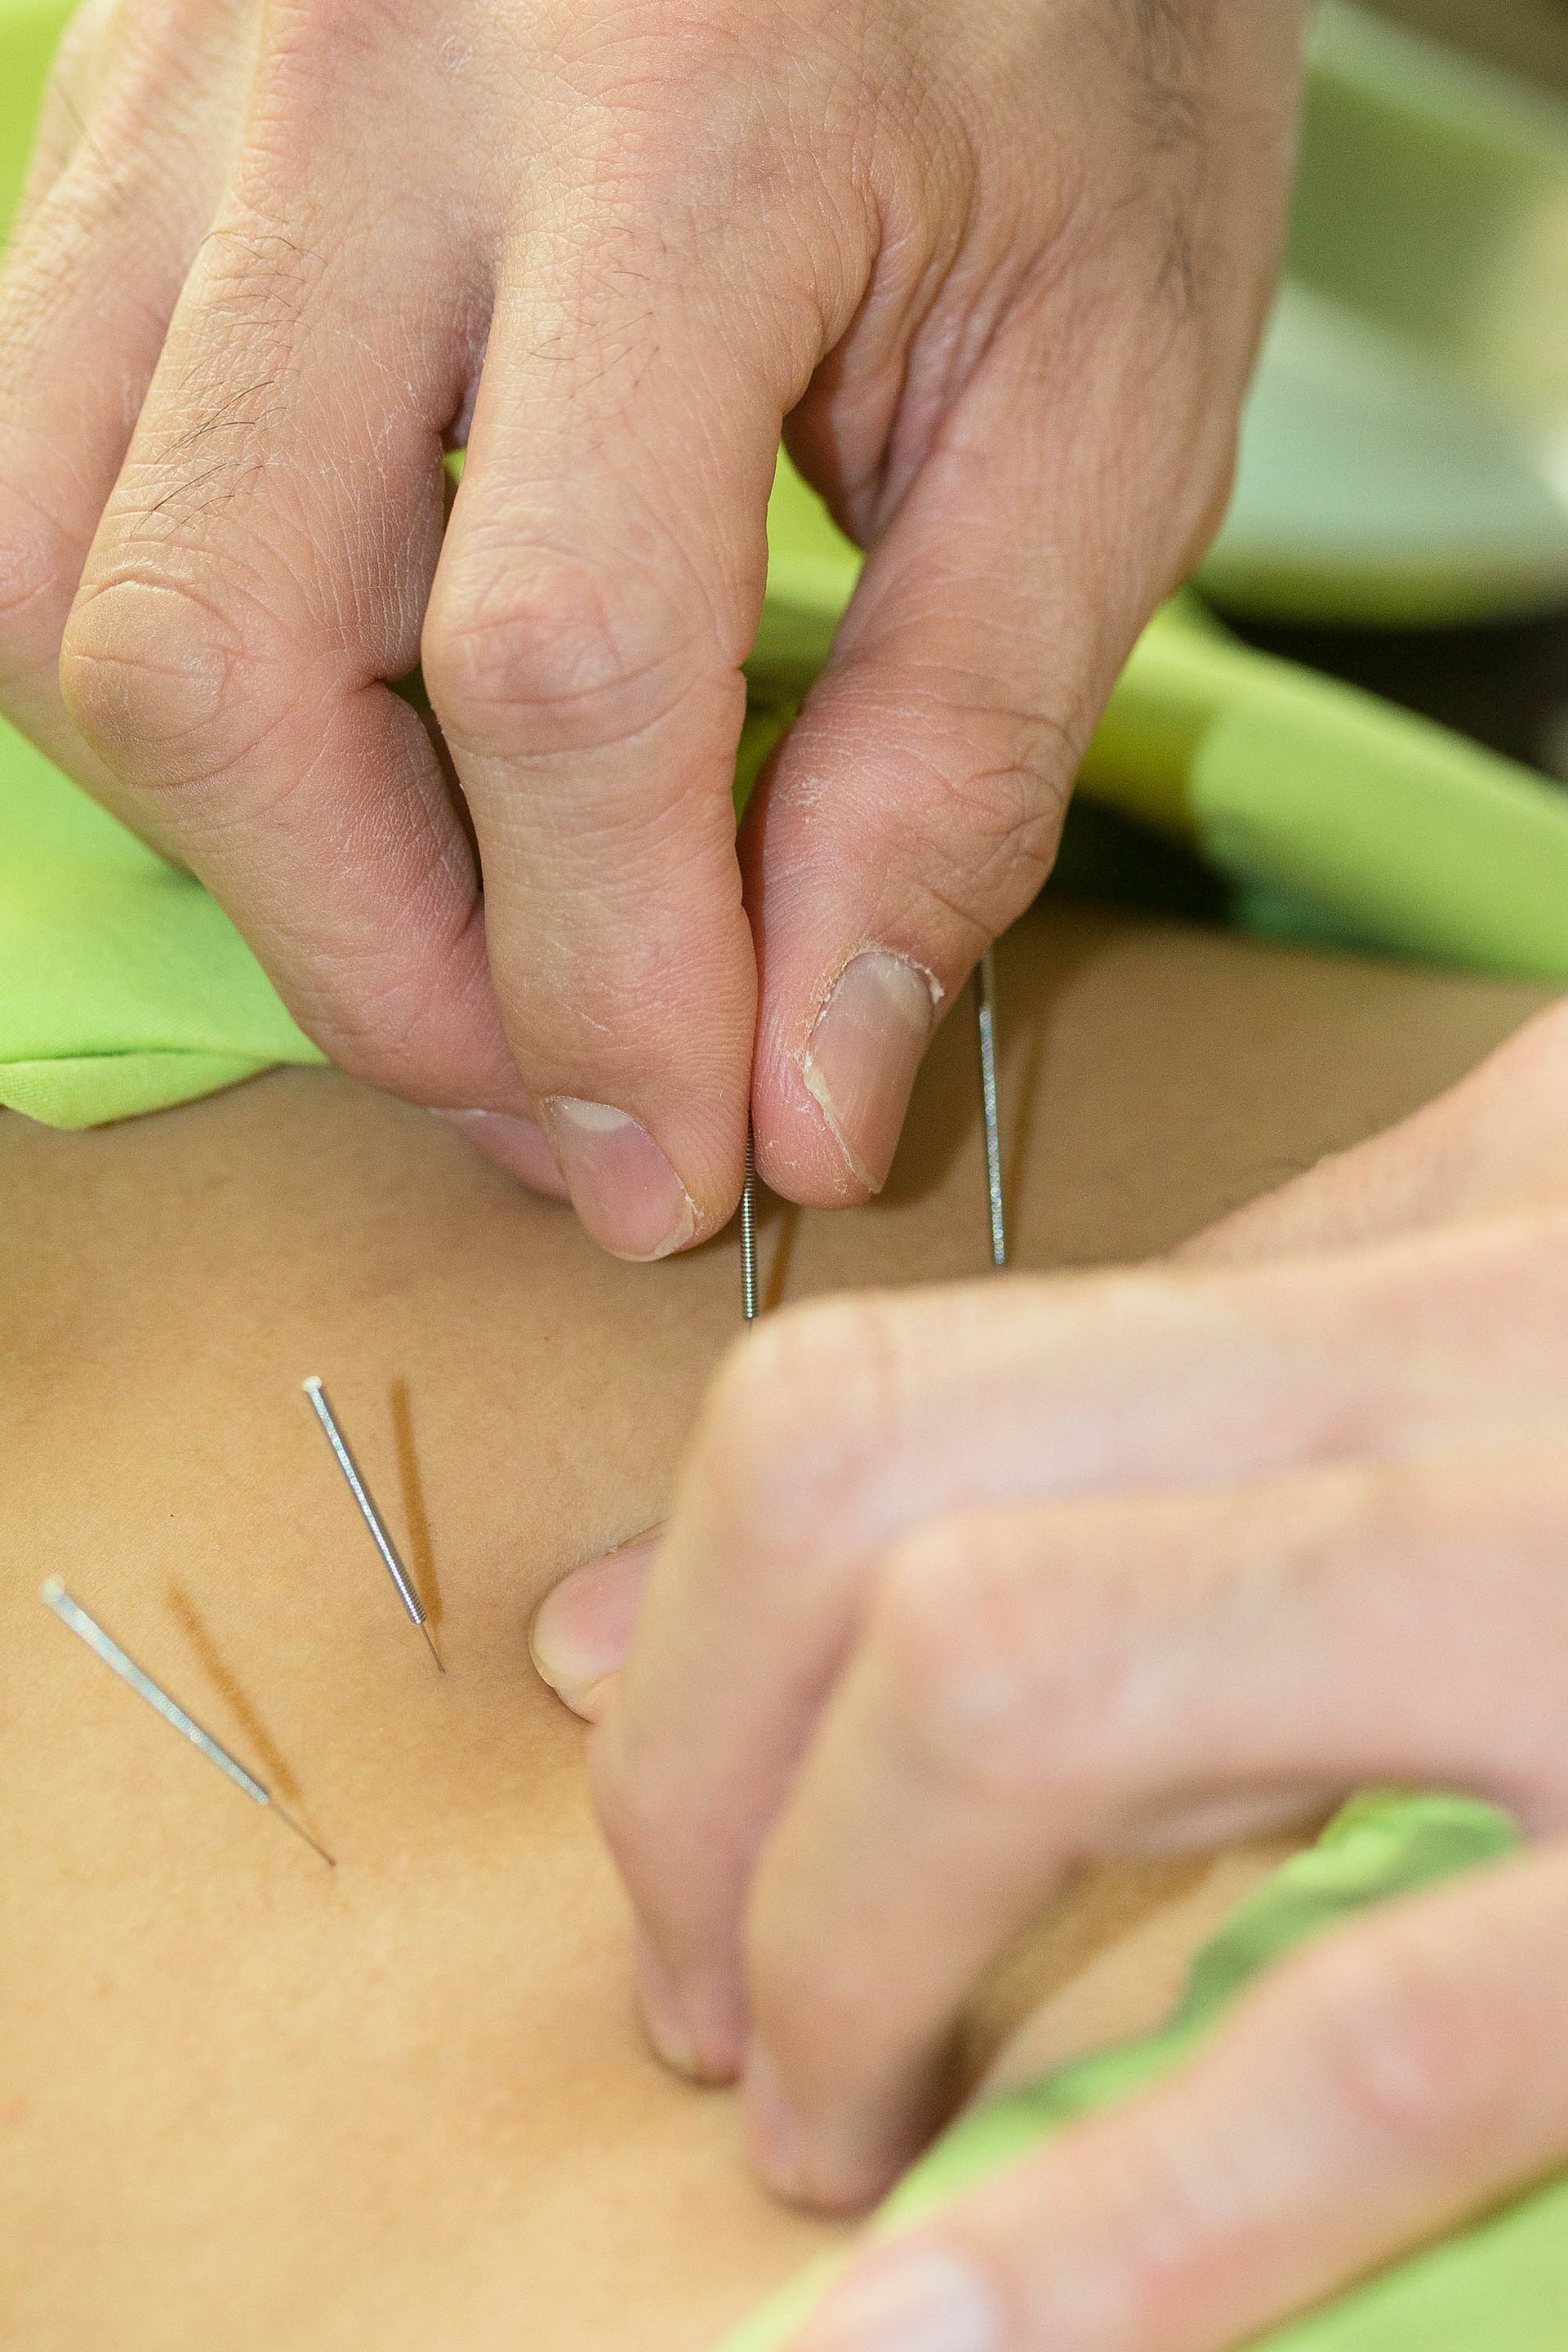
(70, 1612)
(373, 1518)
(985, 1019)
(749, 1233)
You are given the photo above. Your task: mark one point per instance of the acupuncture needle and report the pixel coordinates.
(749, 1231)
(985, 1022)
(70, 1612)
(372, 1516)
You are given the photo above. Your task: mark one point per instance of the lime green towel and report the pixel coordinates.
(1502, 2287)
(123, 987)
(29, 30)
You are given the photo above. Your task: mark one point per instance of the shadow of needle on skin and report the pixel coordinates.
(415, 1511)
(103, 1646)
(391, 1560)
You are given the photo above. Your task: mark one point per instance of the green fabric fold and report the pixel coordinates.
(1502, 2287)
(123, 986)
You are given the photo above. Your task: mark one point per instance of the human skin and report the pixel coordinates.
(250, 2103)
(965, 1587)
(997, 266)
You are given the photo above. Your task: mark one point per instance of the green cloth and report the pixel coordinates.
(29, 30)
(123, 986)
(1502, 2287)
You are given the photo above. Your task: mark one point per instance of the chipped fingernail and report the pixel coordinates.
(863, 1054)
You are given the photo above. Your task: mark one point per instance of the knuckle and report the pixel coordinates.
(990, 835)
(1174, 2238)
(163, 685)
(553, 657)
(1401, 2043)
(801, 1413)
(958, 1649)
(983, 789)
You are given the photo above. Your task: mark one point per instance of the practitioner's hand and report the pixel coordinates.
(1001, 263)
(964, 1590)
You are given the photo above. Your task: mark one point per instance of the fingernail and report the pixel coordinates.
(622, 1186)
(583, 1630)
(661, 2010)
(518, 1145)
(920, 2299)
(862, 1056)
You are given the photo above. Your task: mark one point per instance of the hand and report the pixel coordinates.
(1000, 266)
(963, 1589)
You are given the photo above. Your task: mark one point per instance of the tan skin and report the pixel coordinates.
(246, 2101)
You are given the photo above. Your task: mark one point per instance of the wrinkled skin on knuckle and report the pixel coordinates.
(981, 786)
(553, 656)
(163, 685)
(994, 832)
(385, 1013)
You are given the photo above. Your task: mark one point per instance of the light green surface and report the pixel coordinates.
(1499, 2287)
(29, 30)
(1403, 455)
(123, 987)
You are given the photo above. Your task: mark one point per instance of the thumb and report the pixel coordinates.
(582, 1633)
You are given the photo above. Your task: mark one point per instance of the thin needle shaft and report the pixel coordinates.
(70, 1612)
(749, 1233)
(372, 1516)
(985, 1021)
